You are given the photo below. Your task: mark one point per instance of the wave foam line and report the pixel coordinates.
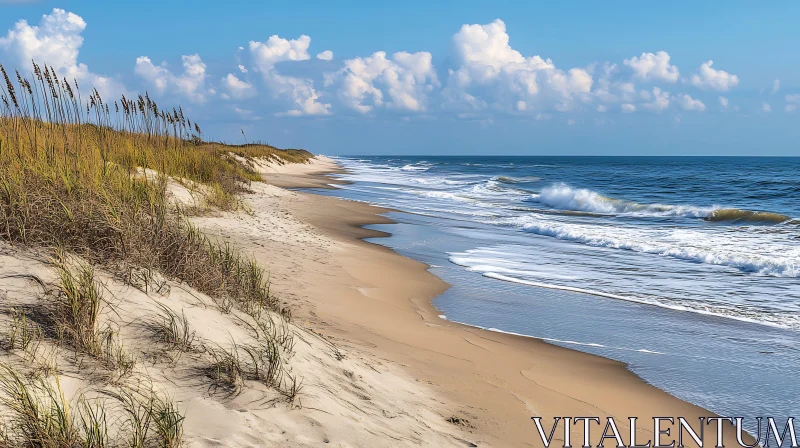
(560, 341)
(774, 266)
(633, 300)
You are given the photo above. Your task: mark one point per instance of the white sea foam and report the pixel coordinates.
(421, 166)
(699, 307)
(562, 341)
(565, 197)
(776, 258)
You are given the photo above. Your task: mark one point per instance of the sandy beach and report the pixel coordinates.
(370, 300)
(372, 363)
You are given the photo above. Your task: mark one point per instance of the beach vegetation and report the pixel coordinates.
(37, 413)
(91, 176)
(91, 183)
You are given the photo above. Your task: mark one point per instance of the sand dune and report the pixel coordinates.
(378, 368)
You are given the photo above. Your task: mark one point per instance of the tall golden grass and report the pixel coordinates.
(76, 178)
(71, 177)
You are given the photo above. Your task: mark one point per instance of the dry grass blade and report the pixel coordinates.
(38, 412)
(94, 426)
(25, 334)
(77, 306)
(169, 423)
(38, 415)
(173, 329)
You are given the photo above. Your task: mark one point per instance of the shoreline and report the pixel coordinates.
(496, 380)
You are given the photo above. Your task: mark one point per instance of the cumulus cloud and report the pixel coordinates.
(190, 84)
(613, 87)
(765, 107)
(709, 78)
(301, 91)
(490, 66)
(653, 66)
(237, 88)
(406, 79)
(660, 101)
(56, 42)
(326, 55)
(276, 49)
(628, 108)
(792, 102)
(688, 103)
(723, 102)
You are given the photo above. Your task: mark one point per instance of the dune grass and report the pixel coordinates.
(173, 329)
(88, 180)
(71, 177)
(261, 361)
(38, 414)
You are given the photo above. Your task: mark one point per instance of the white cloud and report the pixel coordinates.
(56, 42)
(709, 78)
(766, 107)
(776, 85)
(602, 108)
(326, 55)
(688, 103)
(242, 68)
(237, 88)
(650, 66)
(266, 55)
(723, 102)
(660, 101)
(191, 84)
(407, 79)
(490, 67)
(793, 101)
(276, 49)
(628, 108)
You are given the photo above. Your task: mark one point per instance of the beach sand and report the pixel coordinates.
(371, 300)
(378, 367)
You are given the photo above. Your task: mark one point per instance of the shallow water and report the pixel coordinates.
(687, 269)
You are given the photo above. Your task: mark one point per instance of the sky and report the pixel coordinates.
(447, 77)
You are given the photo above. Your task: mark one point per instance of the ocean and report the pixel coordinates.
(685, 268)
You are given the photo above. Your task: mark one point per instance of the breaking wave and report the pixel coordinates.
(680, 244)
(565, 197)
(421, 166)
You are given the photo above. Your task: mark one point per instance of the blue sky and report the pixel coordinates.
(447, 77)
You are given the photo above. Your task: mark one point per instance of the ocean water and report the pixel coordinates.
(688, 269)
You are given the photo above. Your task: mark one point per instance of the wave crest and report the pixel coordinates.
(738, 215)
(562, 196)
